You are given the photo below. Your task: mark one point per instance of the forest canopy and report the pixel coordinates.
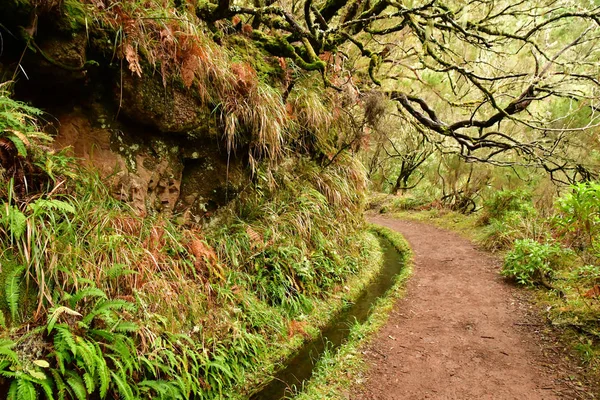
(496, 81)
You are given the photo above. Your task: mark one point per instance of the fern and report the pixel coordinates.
(125, 349)
(123, 387)
(61, 386)
(14, 220)
(6, 352)
(103, 334)
(119, 270)
(64, 340)
(107, 309)
(86, 353)
(42, 205)
(26, 390)
(46, 385)
(57, 312)
(76, 384)
(13, 291)
(84, 293)
(103, 375)
(126, 327)
(19, 144)
(13, 391)
(90, 383)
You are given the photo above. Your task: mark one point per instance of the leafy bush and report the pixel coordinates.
(578, 218)
(509, 215)
(530, 262)
(500, 234)
(506, 201)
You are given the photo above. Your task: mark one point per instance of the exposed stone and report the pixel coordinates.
(138, 174)
(153, 173)
(209, 180)
(168, 109)
(70, 52)
(91, 145)
(60, 60)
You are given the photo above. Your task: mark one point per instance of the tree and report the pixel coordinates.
(481, 74)
(398, 153)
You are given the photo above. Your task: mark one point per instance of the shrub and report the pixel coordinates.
(578, 218)
(500, 234)
(505, 201)
(530, 262)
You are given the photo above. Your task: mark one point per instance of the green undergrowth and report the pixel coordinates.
(98, 302)
(338, 373)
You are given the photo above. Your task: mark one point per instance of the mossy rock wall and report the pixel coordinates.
(156, 143)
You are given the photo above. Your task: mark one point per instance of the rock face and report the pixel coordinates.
(154, 142)
(167, 108)
(152, 172)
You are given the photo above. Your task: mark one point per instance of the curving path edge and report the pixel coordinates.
(461, 332)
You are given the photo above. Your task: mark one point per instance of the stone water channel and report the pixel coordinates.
(300, 367)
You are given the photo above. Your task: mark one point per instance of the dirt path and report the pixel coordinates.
(460, 332)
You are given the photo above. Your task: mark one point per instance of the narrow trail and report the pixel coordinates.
(460, 332)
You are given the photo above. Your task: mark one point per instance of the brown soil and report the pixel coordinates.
(463, 332)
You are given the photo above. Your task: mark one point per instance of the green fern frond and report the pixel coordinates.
(126, 353)
(105, 310)
(119, 270)
(13, 291)
(19, 144)
(126, 327)
(61, 386)
(13, 391)
(7, 354)
(13, 219)
(2, 320)
(103, 334)
(26, 390)
(84, 293)
(90, 383)
(76, 384)
(64, 340)
(43, 205)
(123, 387)
(86, 354)
(103, 373)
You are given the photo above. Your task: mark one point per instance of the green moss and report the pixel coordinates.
(245, 50)
(281, 47)
(74, 13)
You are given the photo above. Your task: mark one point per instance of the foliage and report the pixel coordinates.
(403, 203)
(24, 153)
(578, 217)
(530, 262)
(509, 215)
(296, 257)
(502, 202)
(18, 123)
(98, 302)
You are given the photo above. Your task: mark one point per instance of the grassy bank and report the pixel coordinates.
(98, 301)
(338, 371)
